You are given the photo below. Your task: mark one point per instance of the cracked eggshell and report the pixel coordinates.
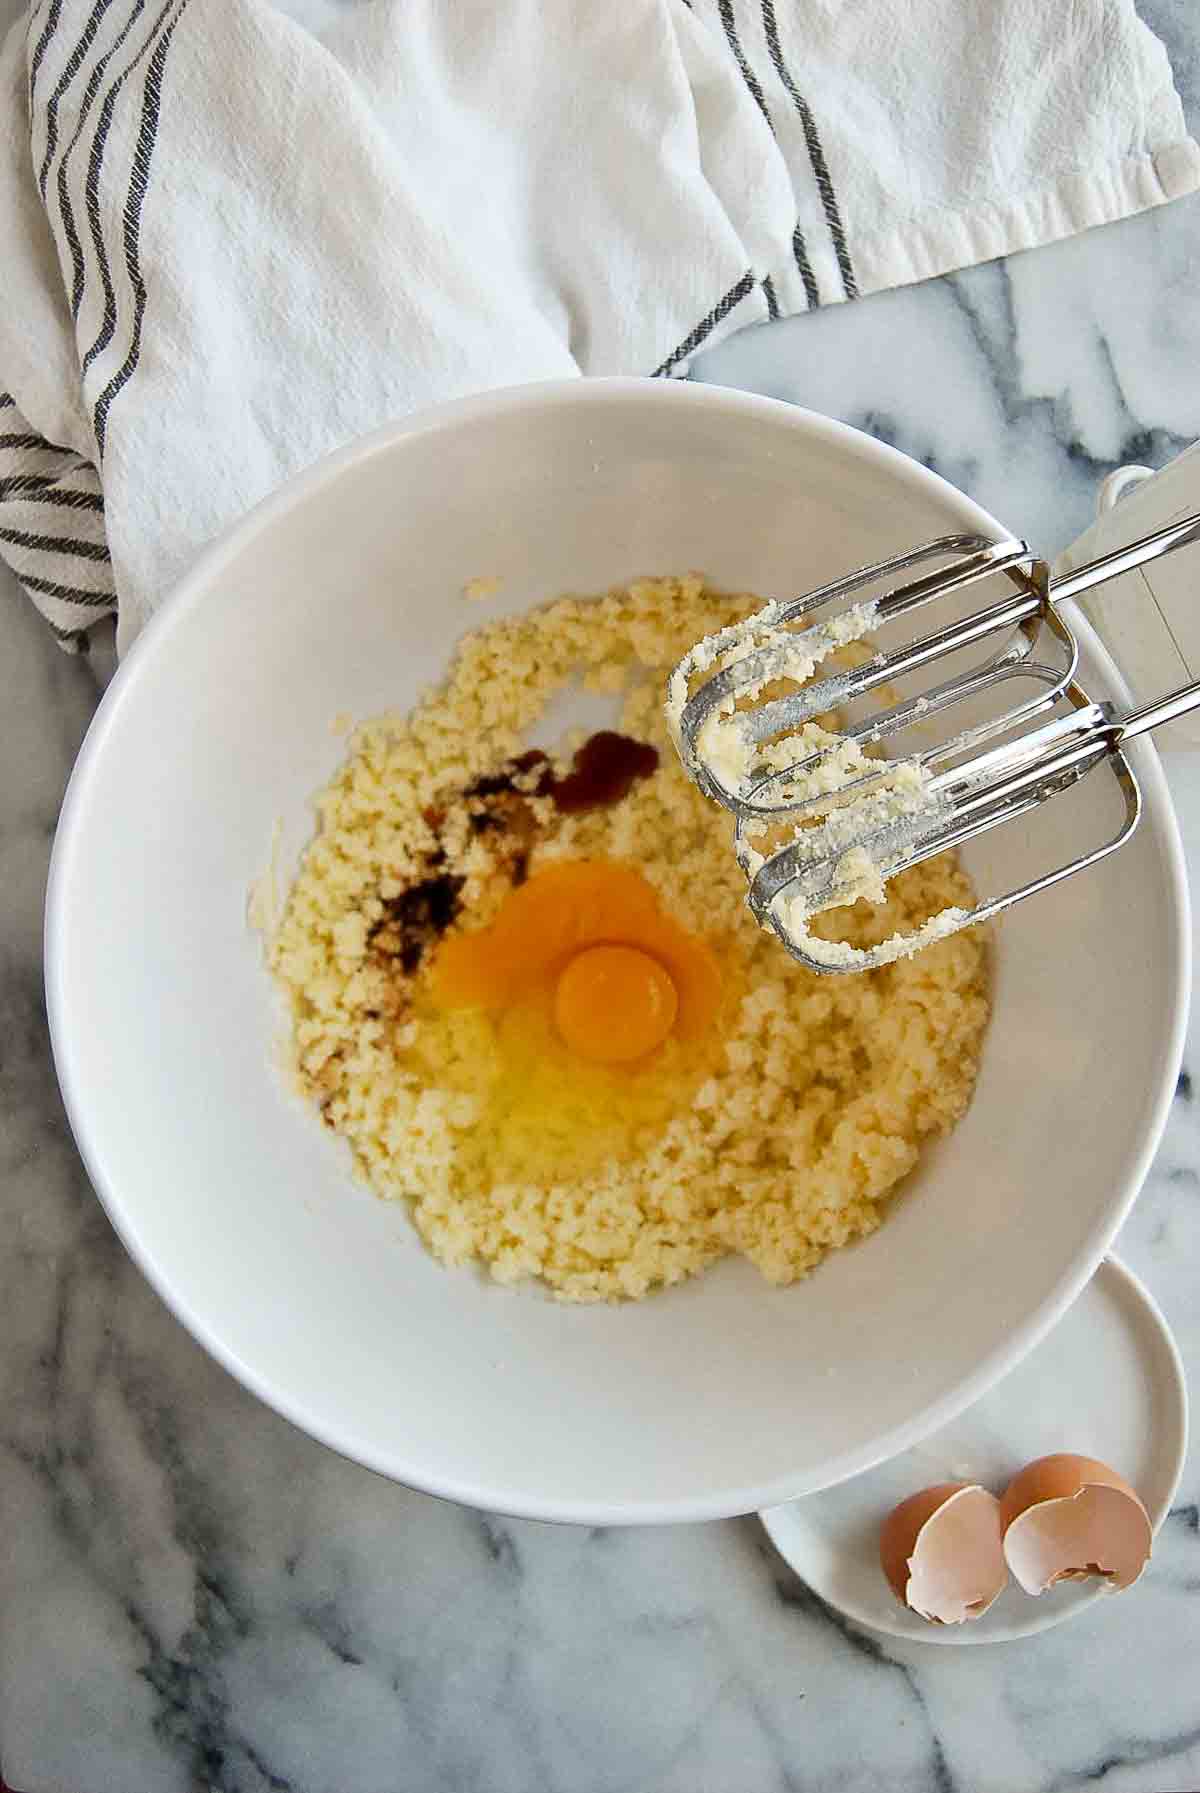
(1069, 1518)
(941, 1552)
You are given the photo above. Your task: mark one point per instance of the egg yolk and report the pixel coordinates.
(588, 935)
(614, 1004)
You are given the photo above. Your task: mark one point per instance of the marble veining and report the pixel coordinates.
(193, 1595)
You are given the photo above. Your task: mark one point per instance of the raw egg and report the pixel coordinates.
(942, 1554)
(590, 937)
(614, 1004)
(1069, 1518)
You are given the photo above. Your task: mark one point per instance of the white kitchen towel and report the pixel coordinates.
(232, 240)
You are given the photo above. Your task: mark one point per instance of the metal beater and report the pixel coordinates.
(813, 818)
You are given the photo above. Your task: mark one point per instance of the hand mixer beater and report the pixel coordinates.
(822, 816)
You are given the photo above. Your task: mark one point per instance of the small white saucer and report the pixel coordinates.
(1107, 1383)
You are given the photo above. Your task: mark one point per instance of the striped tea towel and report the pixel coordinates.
(232, 241)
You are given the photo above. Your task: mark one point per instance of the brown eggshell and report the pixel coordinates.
(1071, 1518)
(941, 1552)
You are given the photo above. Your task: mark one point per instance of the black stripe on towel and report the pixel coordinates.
(71, 594)
(768, 287)
(811, 292)
(139, 181)
(739, 56)
(7, 401)
(108, 323)
(816, 153)
(48, 30)
(74, 640)
(54, 544)
(73, 66)
(26, 441)
(66, 211)
(43, 488)
(707, 325)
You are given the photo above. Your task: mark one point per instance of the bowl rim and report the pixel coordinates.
(191, 590)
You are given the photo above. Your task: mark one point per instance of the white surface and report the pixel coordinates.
(241, 1208)
(187, 1578)
(1106, 1383)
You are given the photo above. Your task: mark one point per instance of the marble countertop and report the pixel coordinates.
(194, 1595)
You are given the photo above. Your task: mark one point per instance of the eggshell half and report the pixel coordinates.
(1070, 1518)
(942, 1554)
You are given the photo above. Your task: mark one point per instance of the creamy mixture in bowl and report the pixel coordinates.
(529, 994)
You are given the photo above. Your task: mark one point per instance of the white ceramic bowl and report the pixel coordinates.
(341, 594)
